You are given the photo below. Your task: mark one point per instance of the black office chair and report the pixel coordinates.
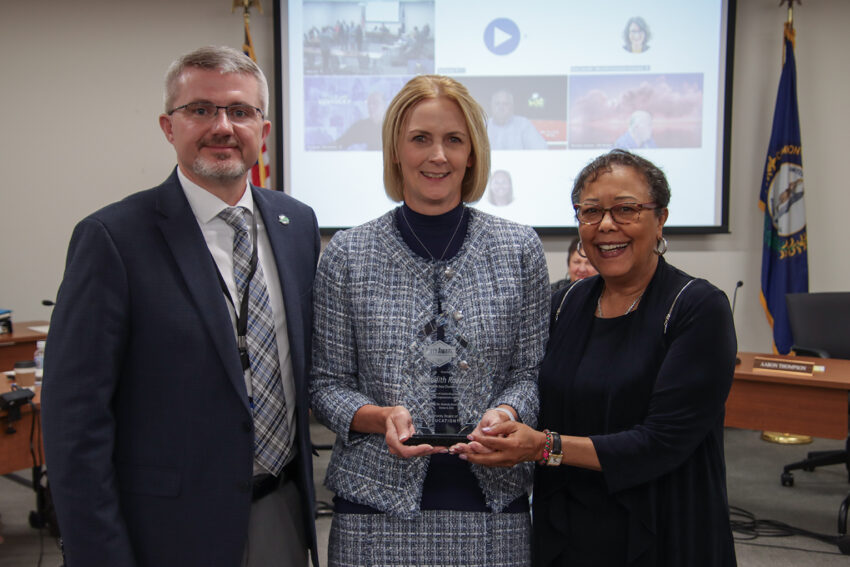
(820, 326)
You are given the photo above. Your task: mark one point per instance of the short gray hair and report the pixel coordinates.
(215, 58)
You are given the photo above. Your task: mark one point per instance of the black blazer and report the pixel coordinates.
(147, 428)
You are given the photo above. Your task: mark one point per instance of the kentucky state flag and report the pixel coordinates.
(784, 264)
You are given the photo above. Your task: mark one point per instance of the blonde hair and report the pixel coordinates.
(425, 87)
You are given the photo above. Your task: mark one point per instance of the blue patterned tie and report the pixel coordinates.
(270, 427)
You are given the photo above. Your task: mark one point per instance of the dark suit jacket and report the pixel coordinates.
(147, 428)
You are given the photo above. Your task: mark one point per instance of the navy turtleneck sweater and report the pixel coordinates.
(442, 235)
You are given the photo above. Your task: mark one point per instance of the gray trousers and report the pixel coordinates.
(276, 536)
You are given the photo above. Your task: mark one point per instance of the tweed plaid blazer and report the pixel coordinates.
(373, 296)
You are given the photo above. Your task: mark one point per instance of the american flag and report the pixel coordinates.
(260, 173)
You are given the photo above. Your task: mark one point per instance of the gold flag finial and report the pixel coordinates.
(246, 5)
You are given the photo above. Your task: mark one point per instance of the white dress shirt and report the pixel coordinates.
(219, 237)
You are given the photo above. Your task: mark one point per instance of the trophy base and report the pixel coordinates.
(785, 438)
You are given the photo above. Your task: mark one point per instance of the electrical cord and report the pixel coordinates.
(40, 546)
(35, 413)
(746, 527)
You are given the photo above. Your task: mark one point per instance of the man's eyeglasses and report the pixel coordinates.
(621, 213)
(207, 111)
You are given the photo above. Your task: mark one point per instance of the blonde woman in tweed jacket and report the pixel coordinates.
(381, 291)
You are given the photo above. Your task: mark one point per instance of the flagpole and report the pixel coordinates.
(790, 10)
(790, 22)
(789, 26)
(776, 436)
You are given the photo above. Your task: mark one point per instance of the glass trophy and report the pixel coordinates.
(451, 383)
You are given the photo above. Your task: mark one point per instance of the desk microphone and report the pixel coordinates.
(735, 295)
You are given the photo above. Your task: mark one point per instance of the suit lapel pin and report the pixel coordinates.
(283, 219)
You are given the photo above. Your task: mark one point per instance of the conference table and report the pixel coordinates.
(795, 394)
(20, 343)
(20, 441)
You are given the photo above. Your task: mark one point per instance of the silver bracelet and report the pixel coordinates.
(504, 411)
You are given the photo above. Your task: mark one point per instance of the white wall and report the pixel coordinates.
(81, 92)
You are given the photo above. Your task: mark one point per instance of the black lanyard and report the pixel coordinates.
(242, 313)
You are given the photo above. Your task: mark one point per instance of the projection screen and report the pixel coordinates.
(561, 81)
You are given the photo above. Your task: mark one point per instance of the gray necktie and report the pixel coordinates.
(270, 425)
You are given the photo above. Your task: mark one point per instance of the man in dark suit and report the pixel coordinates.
(175, 410)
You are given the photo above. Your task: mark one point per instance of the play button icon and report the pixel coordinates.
(501, 36)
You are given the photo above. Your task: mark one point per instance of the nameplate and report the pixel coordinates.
(782, 366)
